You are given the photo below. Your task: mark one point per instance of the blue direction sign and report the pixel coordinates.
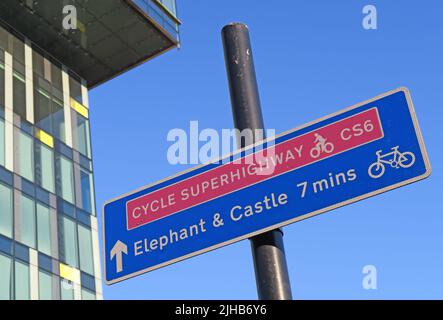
(364, 150)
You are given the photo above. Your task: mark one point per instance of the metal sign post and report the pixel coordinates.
(268, 251)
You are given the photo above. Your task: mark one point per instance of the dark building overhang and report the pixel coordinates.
(112, 36)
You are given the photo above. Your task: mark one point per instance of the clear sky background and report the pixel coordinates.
(312, 58)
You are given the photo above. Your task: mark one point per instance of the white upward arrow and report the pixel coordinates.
(117, 252)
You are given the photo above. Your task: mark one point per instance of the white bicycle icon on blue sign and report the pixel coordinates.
(395, 159)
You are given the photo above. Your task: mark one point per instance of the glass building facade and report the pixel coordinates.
(48, 224)
(49, 245)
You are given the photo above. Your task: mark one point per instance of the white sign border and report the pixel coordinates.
(287, 222)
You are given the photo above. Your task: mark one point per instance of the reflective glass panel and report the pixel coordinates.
(5, 211)
(69, 242)
(26, 159)
(43, 229)
(27, 221)
(21, 281)
(44, 286)
(5, 277)
(2, 142)
(85, 249)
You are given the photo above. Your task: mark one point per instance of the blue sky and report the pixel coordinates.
(312, 58)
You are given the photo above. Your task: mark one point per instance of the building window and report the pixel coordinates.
(45, 167)
(19, 94)
(87, 190)
(82, 134)
(4, 36)
(68, 242)
(42, 108)
(44, 286)
(58, 119)
(48, 105)
(6, 217)
(75, 90)
(27, 221)
(66, 179)
(56, 78)
(38, 63)
(43, 229)
(25, 157)
(18, 49)
(5, 277)
(2, 142)
(85, 250)
(2, 80)
(21, 281)
(66, 290)
(87, 295)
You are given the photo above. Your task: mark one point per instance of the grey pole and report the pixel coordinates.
(268, 252)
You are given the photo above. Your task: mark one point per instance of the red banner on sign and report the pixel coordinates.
(325, 142)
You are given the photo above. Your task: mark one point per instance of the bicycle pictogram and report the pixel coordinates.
(395, 159)
(322, 146)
